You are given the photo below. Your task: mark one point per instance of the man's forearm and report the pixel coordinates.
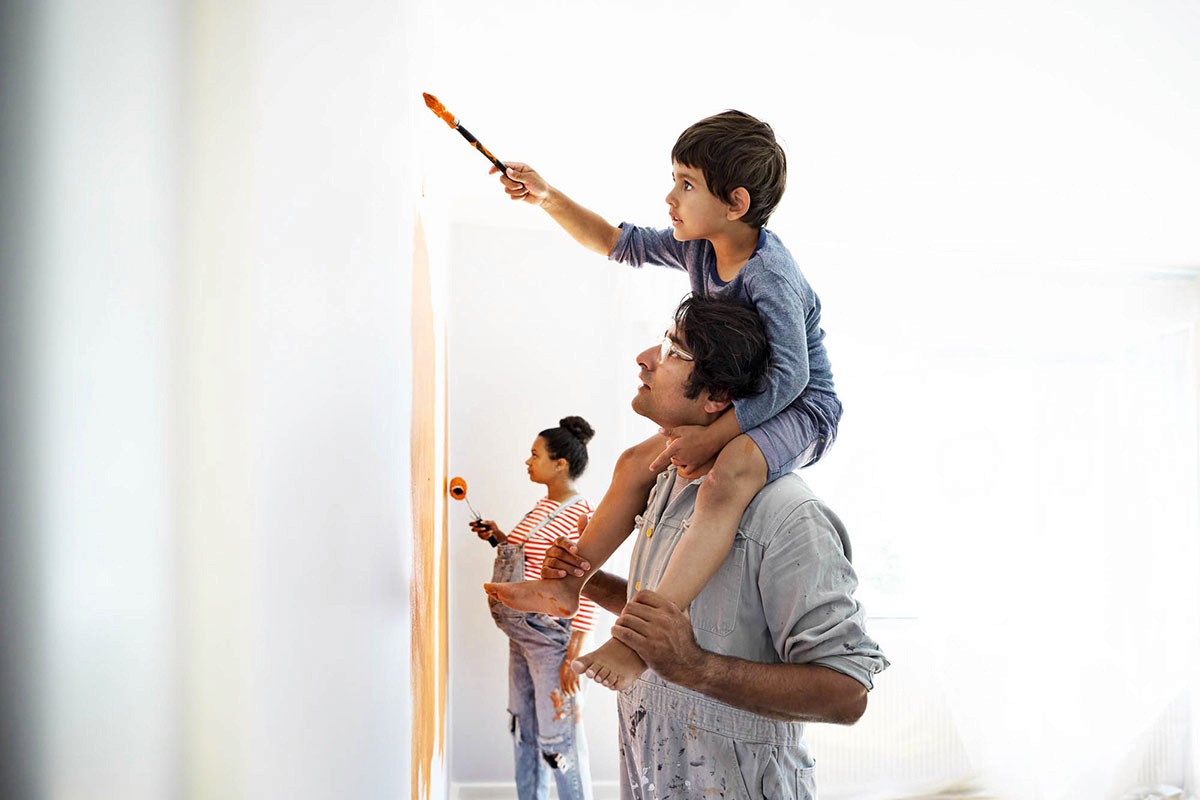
(606, 590)
(587, 227)
(797, 692)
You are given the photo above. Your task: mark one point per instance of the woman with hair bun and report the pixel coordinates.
(543, 690)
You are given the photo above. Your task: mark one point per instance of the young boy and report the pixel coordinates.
(729, 174)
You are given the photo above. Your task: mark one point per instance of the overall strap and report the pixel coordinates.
(570, 501)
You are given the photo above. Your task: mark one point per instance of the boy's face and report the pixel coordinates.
(696, 213)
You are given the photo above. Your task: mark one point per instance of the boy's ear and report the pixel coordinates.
(739, 203)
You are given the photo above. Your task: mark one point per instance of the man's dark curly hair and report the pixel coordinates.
(729, 343)
(734, 149)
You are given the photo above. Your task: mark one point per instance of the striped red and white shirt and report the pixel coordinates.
(565, 524)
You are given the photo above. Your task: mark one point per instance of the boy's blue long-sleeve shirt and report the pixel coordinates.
(772, 284)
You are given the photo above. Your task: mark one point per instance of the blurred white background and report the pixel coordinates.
(208, 214)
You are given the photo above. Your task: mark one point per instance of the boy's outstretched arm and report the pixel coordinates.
(585, 226)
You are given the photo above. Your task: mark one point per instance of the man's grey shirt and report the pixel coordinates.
(784, 594)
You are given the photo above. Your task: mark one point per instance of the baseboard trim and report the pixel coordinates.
(601, 790)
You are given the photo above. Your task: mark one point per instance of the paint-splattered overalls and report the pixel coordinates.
(784, 594)
(676, 743)
(546, 726)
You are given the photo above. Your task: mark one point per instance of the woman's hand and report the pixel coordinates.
(486, 529)
(568, 679)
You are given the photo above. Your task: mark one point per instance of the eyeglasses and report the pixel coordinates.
(669, 348)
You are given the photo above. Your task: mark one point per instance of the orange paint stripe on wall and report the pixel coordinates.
(428, 591)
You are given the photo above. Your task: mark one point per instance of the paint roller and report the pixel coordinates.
(458, 490)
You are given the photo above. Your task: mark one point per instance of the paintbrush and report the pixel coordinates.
(436, 107)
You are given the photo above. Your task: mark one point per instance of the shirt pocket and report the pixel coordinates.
(715, 609)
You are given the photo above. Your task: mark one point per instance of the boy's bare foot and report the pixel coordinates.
(554, 597)
(612, 664)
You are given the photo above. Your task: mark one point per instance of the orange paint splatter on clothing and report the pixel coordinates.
(556, 697)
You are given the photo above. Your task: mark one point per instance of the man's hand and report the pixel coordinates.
(691, 448)
(523, 183)
(485, 528)
(562, 558)
(654, 628)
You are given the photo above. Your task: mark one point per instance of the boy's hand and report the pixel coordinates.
(523, 183)
(691, 448)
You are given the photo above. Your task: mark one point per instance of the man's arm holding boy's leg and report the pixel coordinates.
(662, 635)
(585, 226)
(604, 589)
(740, 471)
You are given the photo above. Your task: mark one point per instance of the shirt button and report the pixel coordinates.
(638, 586)
(649, 531)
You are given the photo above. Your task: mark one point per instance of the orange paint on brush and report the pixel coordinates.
(436, 107)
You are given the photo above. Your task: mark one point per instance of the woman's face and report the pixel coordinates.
(542, 468)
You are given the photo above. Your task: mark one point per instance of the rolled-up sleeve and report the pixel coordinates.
(815, 619)
(638, 246)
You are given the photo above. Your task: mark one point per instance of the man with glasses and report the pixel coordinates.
(775, 640)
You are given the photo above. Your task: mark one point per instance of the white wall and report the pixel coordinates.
(303, 230)
(214, 230)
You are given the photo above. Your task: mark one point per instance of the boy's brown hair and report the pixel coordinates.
(735, 149)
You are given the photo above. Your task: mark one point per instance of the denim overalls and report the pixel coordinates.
(547, 727)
